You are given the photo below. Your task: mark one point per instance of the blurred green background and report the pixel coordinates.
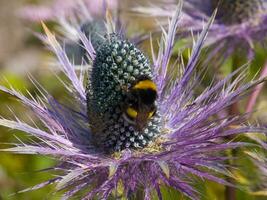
(22, 54)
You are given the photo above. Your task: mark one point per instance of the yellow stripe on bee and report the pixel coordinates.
(151, 114)
(146, 84)
(131, 112)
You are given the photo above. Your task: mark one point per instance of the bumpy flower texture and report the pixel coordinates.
(239, 24)
(101, 154)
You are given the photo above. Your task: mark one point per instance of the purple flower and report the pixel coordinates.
(239, 24)
(65, 8)
(102, 153)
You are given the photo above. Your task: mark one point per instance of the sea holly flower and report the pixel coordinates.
(64, 9)
(76, 17)
(239, 24)
(102, 153)
(72, 17)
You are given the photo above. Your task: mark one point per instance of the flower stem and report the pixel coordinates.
(138, 195)
(253, 98)
(230, 192)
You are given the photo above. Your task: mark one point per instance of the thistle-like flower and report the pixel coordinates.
(239, 24)
(137, 125)
(65, 8)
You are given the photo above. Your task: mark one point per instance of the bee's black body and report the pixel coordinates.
(139, 105)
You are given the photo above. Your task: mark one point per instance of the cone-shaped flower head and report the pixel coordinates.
(102, 151)
(93, 29)
(237, 11)
(118, 65)
(239, 24)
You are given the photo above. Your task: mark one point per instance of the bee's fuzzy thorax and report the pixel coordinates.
(145, 84)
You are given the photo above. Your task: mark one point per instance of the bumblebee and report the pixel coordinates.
(139, 105)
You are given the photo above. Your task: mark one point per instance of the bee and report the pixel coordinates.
(139, 105)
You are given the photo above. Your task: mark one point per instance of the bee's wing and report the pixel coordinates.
(141, 119)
